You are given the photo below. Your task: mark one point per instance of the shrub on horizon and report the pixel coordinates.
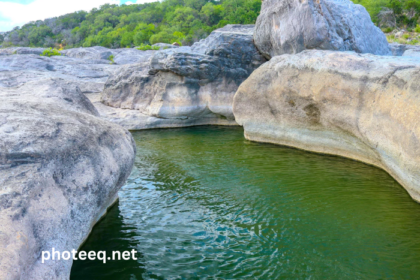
(144, 47)
(50, 52)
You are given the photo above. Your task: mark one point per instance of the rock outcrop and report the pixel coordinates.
(120, 56)
(89, 75)
(60, 168)
(89, 68)
(21, 50)
(404, 50)
(359, 106)
(291, 26)
(188, 85)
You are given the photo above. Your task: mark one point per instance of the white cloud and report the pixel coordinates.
(14, 14)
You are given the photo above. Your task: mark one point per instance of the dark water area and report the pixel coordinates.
(204, 203)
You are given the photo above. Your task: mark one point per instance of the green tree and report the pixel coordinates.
(37, 34)
(143, 32)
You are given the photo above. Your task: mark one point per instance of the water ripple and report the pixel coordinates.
(203, 203)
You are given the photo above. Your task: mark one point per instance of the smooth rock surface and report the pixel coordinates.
(363, 107)
(188, 85)
(291, 26)
(60, 169)
(164, 46)
(89, 75)
(21, 50)
(120, 56)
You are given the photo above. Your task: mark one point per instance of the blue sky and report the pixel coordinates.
(18, 12)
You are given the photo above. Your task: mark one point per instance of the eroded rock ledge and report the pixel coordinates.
(60, 168)
(363, 107)
(187, 85)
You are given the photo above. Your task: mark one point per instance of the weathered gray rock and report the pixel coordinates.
(397, 49)
(92, 53)
(120, 56)
(363, 107)
(188, 85)
(60, 168)
(386, 18)
(21, 50)
(89, 68)
(164, 46)
(291, 26)
(404, 50)
(131, 56)
(89, 75)
(413, 51)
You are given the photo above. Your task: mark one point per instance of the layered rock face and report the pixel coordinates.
(291, 26)
(89, 68)
(363, 107)
(60, 168)
(188, 85)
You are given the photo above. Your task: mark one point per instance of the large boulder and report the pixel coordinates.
(60, 169)
(363, 107)
(291, 26)
(188, 85)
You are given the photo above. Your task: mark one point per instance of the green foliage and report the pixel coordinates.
(111, 58)
(50, 52)
(387, 30)
(144, 47)
(169, 21)
(403, 10)
(113, 26)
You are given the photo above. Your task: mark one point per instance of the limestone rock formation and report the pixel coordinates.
(89, 75)
(163, 46)
(359, 106)
(188, 85)
(60, 168)
(120, 56)
(291, 26)
(21, 50)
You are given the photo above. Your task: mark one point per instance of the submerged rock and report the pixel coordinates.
(188, 85)
(363, 107)
(60, 168)
(291, 26)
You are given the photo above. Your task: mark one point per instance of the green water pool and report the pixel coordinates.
(204, 203)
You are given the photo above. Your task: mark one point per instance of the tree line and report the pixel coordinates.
(114, 26)
(182, 21)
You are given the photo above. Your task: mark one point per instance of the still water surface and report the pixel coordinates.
(204, 203)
